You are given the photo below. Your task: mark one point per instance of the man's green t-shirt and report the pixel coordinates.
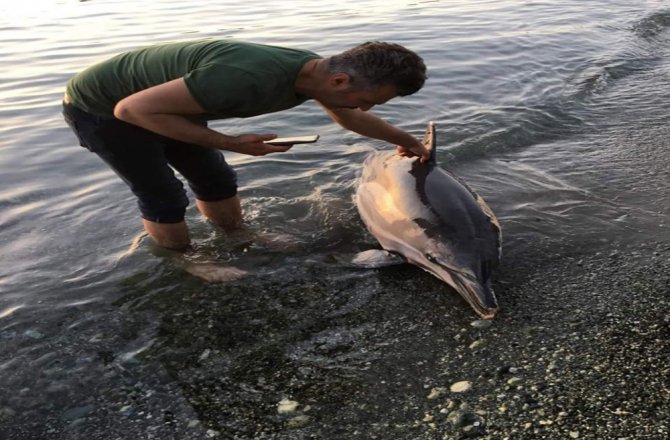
(227, 78)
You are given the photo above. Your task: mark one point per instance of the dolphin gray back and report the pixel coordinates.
(434, 220)
(465, 220)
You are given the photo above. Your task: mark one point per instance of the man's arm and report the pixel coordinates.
(369, 125)
(164, 108)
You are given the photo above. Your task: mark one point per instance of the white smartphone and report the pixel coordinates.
(294, 140)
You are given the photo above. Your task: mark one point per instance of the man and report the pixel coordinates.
(144, 112)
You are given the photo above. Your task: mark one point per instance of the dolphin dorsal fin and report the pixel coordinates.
(429, 142)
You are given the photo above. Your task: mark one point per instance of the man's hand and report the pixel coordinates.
(254, 145)
(414, 150)
(367, 124)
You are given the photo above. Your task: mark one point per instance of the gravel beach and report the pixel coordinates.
(578, 350)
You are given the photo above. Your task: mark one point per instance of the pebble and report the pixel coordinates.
(460, 418)
(76, 422)
(79, 412)
(33, 334)
(461, 387)
(286, 406)
(298, 422)
(436, 392)
(6, 413)
(212, 433)
(96, 338)
(481, 324)
(574, 434)
(514, 381)
(477, 344)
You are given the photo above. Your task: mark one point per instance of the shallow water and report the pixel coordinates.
(555, 111)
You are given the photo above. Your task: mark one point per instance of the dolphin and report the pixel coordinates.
(433, 220)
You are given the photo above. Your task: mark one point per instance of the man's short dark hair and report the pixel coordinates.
(375, 63)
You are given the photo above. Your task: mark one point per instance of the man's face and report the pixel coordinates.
(342, 94)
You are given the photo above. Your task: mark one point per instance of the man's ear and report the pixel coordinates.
(339, 80)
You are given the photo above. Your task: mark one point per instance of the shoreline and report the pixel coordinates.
(579, 350)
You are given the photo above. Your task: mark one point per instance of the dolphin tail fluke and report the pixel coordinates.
(430, 142)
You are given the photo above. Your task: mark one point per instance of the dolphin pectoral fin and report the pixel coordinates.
(376, 258)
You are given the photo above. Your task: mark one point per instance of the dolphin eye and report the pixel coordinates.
(430, 258)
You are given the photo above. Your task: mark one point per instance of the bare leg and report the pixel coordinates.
(174, 236)
(226, 214)
(168, 235)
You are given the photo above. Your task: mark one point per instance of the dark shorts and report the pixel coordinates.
(144, 160)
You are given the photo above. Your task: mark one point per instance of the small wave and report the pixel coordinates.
(513, 127)
(597, 78)
(640, 57)
(653, 25)
(525, 126)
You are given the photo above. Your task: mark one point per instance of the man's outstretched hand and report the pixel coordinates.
(417, 149)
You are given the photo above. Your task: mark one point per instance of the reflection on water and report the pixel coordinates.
(555, 113)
